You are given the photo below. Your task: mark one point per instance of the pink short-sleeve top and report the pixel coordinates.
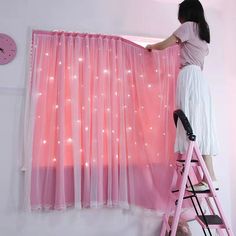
(192, 49)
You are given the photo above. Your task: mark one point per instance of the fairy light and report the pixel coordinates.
(54, 159)
(103, 131)
(164, 134)
(58, 142)
(129, 128)
(113, 131)
(81, 150)
(82, 107)
(150, 128)
(146, 144)
(158, 154)
(60, 63)
(156, 70)
(75, 77)
(78, 121)
(116, 94)
(96, 77)
(47, 54)
(105, 71)
(125, 106)
(95, 109)
(86, 128)
(51, 78)
(117, 140)
(95, 97)
(80, 59)
(39, 117)
(129, 157)
(86, 164)
(169, 75)
(142, 107)
(149, 86)
(135, 143)
(141, 76)
(129, 71)
(159, 116)
(128, 95)
(57, 106)
(44, 141)
(108, 109)
(132, 85)
(135, 111)
(117, 156)
(68, 67)
(39, 94)
(68, 100)
(69, 140)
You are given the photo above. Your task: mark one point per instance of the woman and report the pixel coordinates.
(192, 94)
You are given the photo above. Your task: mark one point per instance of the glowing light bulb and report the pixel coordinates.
(129, 157)
(124, 106)
(117, 140)
(96, 77)
(102, 94)
(78, 121)
(68, 67)
(159, 116)
(54, 160)
(86, 128)
(146, 144)
(129, 71)
(117, 156)
(135, 143)
(81, 150)
(58, 142)
(39, 117)
(103, 131)
(86, 164)
(165, 106)
(82, 107)
(141, 76)
(108, 109)
(169, 75)
(95, 109)
(56, 106)
(95, 97)
(69, 140)
(132, 85)
(128, 95)
(47, 54)
(156, 70)
(68, 100)
(80, 59)
(116, 93)
(60, 63)
(142, 107)
(149, 86)
(39, 94)
(150, 128)
(51, 78)
(158, 154)
(129, 128)
(105, 71)
(164, 134)
(113, 131)
(44, 141)
(75, 77)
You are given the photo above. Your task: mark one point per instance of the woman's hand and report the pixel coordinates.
(149, 47)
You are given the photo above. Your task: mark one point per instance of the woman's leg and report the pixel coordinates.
(209, 165)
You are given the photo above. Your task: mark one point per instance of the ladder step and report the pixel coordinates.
(213, 221)
(182, 162)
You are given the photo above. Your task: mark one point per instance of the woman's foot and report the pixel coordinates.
(203, 186)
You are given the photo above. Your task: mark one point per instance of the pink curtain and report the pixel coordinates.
(99, 128)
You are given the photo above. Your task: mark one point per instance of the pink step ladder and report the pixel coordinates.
(216, 219)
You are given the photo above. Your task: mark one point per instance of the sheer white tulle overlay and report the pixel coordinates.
(98, 123)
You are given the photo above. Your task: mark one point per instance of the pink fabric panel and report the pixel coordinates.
(102, 125)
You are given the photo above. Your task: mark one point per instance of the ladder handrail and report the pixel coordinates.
(184, 120)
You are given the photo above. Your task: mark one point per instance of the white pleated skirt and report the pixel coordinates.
(193, 97)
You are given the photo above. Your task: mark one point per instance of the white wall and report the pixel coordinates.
(131, 17)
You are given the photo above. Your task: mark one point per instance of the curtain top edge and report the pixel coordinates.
(67, 33)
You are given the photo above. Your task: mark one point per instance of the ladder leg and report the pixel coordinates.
(182, 189)
(212, 189)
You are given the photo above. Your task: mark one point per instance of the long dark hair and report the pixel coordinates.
(192, 10)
